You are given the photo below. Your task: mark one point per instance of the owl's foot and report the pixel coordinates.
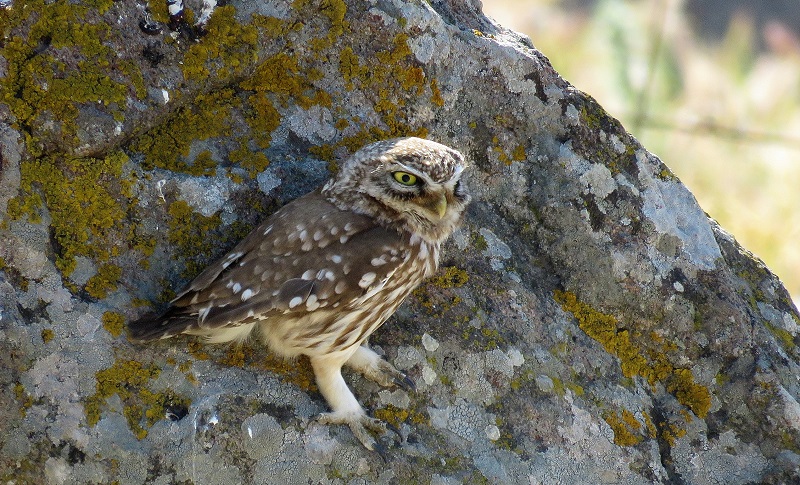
(359, 424)
(374, 368)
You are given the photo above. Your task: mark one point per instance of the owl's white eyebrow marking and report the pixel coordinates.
(367, 279)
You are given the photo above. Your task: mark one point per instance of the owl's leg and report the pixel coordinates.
(365, 361)
(345, 407)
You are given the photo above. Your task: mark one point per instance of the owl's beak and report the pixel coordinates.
(438, 205)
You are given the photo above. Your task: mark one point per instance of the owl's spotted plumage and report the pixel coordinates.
(321, 274)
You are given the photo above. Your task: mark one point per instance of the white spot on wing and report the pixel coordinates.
(367, 279)
(295, 301)
(336, 258)
(236, 287)
(312, 303)
(247, 294)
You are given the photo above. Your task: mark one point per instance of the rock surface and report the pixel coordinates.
(589, 323)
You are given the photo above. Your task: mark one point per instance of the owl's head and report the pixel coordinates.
(407, 183)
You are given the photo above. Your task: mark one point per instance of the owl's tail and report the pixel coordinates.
(159, 326)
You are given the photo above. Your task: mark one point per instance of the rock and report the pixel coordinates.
(589, 324)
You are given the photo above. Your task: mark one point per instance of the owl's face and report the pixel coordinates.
(408, 183)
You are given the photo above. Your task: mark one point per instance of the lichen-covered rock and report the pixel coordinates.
(590, 324)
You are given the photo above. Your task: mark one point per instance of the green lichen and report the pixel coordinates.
(103, 281)
(167, 145)
(47, 335)
(23, 398)
(651, 364)
(397, 416)
(784, 336)
(450, 277)
(189, 233)
(114, 323)
(334, 10)
(59, 59)
(227, 51)
(518, 154)
(480, 242)
(82, 196)
(390, 77)
(129, 380)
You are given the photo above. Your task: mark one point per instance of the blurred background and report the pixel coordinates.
(710, 86)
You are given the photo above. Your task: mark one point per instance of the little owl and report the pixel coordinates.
(321, 274)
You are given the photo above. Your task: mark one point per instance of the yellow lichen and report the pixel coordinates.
(82, 196)
(651, 364)
(189, 232)
(114, 323)
(103, 281)
(129, 380)
(47, 335)
(450, 277)
(626, 429)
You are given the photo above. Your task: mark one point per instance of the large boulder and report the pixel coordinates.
(589, 324)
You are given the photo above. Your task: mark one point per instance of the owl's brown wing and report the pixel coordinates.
(308, 255)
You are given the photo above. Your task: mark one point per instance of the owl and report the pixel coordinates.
(322, 273)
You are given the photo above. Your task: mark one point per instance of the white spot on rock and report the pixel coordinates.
(428, 374)
(598, 180)
(492, 432)
(430, 343)
(674, 210)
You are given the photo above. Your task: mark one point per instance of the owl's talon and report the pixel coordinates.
(374, 368)
(359, 424)
(406, 383)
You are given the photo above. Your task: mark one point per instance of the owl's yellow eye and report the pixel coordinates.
(405, 178)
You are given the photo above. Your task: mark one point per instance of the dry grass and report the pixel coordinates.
(723, 117)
